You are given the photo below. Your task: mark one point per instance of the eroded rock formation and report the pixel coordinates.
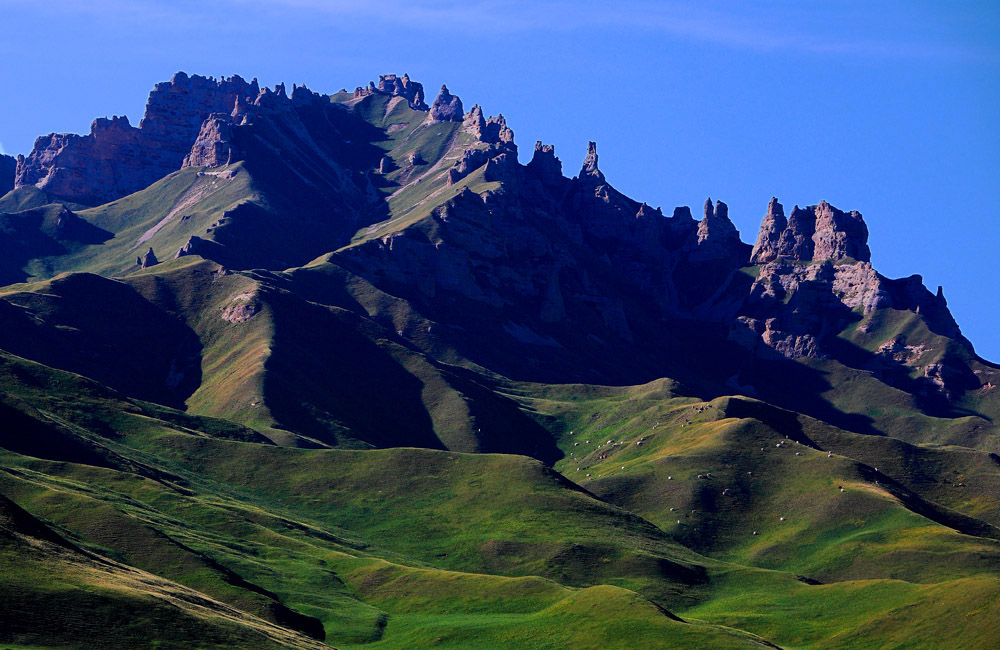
(446, 108)
(116, 158)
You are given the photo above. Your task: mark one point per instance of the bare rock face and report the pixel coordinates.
(95, 168)
(545, 165)
(496, 130)
(814, 233)
(147, 260)
(214, 146)
(404, 87)
(769, 237)
(717, 237)
(176, 109)
(474, 122)
(471, 160)
(590, 169)
(446, 108)
(840, 235)
(8, 165)
(115, 158)
(815, 300)
(241, 307)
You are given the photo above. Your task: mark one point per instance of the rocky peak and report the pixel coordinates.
(446, 107)
(302, 96)
(115, 158)
(147, 260)
(475, 122)
(589, 169)
(840, 235)
(544, 163)
(404, 87)
(214, 146)
(496, 130)
(716, 222)
(717, 237)
(175, 110)
(683, 213)
(774, 223)
(814, 233)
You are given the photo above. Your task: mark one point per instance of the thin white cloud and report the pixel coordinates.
(781, 27)
(3, 152)
(759, 28)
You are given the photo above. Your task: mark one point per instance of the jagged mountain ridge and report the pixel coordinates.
(259, 374)
(532, 274)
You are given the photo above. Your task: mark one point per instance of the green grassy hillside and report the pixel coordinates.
(308, 538)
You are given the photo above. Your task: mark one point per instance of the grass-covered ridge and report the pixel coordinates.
(510, 552)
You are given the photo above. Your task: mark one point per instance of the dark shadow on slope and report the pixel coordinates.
(929, 398)
(104, 330)
(45, 231)
(793, 386)
(327, 381)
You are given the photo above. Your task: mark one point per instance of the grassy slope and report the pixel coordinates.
(56, 595)
(329, 534)
(191, 519)
(871, 529)
(413, 191)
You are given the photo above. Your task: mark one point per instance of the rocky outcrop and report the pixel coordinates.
(115, 158)
(147, 260)
(108, 163)
(8, 166)
(214, 146)
(497, 131)
(589, 169)
(474, 122)
(471, 160)
(545, 165)
(792, 306)
(814, 233)
(446, 108)
(204, 247)
(768, 239)
(717, 237)
(403, 87)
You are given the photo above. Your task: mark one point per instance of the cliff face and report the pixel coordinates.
(537, 259)
(815, 233)
(116, 158)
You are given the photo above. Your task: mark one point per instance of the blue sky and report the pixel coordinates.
(889, 108)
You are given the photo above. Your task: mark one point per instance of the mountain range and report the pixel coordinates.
(291, 369)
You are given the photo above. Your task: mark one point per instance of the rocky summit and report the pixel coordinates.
(283, 368)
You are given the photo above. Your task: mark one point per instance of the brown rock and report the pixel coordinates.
(115, 158)
(214, 146)
(474, 122)
(446, 108)
(766, 248)
(497, 131)
(545, 165)
(412, 91)
(814, 233)
(840, 235)
(148, 260)
(589, 168)
(717, 237)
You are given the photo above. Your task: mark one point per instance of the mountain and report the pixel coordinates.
(347, 369)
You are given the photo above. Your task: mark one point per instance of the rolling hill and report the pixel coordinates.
(288, 369)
